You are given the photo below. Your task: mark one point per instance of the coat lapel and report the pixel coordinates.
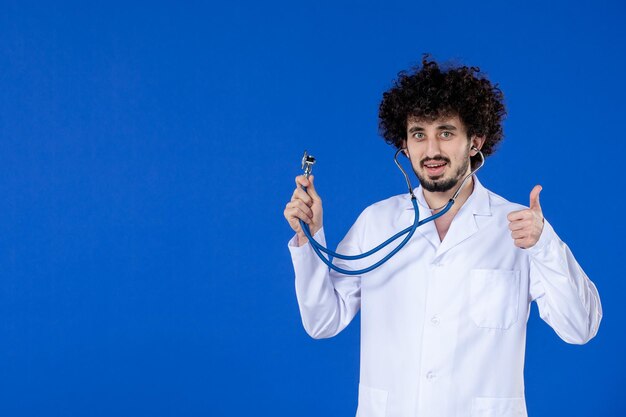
(464, 225)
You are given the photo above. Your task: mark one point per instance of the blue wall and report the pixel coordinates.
(147, 151)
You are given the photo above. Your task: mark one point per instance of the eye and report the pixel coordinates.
(447, 135)
(418, 135)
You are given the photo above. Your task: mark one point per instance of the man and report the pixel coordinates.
(444, 321)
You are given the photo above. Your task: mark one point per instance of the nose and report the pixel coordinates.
(432, 148)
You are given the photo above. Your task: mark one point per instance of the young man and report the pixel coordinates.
(444, 321)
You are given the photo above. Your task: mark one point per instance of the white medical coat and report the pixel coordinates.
(443, 323)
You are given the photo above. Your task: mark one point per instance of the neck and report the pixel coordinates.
(439, 199)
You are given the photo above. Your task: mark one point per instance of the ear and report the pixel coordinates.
(478, 142)
(405, 151)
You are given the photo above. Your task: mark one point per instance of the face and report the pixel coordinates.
(440, 152)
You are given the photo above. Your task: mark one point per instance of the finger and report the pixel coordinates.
(516, 215)
(534, 198)
(293, 221)
(302, 181)
(518, 225)
(312, 191)
(520, 243)
(299, 204)
(521, 215)
(294, 214)
(303, 207)
(300, 194)
(519, 234)
(295, 226)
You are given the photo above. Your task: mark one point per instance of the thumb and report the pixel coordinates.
(534, 198)
(311, 189)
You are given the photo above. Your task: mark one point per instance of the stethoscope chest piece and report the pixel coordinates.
(307, 163)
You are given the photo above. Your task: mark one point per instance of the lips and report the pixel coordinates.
(434, 168)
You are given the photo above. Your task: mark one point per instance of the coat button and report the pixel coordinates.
(435, 320)
(431, 375)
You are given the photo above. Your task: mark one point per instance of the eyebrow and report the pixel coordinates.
(440, 127)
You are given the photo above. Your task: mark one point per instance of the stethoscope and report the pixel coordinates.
(307, 166)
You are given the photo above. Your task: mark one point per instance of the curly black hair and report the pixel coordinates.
(431, 92)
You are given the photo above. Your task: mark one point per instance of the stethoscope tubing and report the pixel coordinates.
(318, 248)
(409, 231)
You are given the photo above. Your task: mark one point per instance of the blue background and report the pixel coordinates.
(147, 151)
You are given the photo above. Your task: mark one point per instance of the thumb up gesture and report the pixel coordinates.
(526, 225)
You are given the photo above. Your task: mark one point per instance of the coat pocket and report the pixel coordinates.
(494, 297)
(372, 402)
(498, 407)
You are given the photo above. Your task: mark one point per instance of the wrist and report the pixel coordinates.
(302, 239)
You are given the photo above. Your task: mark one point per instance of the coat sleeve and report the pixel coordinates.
(567, 299)
(328, 301)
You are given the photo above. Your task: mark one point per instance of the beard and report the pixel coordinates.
(442, 184)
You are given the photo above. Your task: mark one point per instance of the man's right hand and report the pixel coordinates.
(305, 206)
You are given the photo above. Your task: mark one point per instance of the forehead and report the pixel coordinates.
(444, 122)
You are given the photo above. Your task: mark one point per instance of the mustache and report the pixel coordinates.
(436, 158)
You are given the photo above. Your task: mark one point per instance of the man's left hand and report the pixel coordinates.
(526, 225)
